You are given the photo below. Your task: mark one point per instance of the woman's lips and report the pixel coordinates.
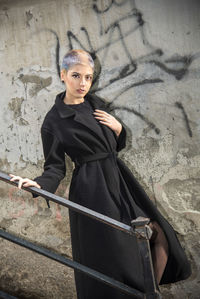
(81, 90)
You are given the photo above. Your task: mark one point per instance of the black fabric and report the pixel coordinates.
(105, 184)
(98, 156)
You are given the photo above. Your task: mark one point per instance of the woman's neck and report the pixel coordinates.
(71, 100)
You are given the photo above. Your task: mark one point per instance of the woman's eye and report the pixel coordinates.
(75, 75)
(89, 78)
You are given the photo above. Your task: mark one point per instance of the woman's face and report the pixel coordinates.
(78, 80)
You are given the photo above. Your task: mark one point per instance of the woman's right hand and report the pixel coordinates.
(24, 182)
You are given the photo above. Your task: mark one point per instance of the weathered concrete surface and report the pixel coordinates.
(29, 275)
(148, 55)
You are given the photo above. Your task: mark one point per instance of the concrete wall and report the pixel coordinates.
(148, 62)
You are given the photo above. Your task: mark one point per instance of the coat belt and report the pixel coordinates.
(97, 156)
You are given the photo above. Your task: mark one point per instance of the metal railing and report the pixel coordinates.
(6, 296)
(139, 228)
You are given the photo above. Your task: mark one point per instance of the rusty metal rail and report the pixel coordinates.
(139, 228)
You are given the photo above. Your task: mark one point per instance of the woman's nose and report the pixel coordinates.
(82, 81)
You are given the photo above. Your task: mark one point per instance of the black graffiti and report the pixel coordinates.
(100, 11)
(57, 51)
(132, 64)
(71, 36)
(140, 115)
(129, 68)
(143, 82)
(177, 73)
(176, 66)
(180, 106)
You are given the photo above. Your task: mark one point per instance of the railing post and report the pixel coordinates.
(139, 228)
(143, 233)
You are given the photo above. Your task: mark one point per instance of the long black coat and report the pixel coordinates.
(104, 184)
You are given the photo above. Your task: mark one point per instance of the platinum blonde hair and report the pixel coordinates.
(74, 57)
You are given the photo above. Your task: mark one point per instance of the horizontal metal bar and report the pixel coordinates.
(73, 206)
(73, 264)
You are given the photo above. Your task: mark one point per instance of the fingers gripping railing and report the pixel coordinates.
(139, 228)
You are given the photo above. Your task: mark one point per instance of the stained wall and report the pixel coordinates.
(147, 57)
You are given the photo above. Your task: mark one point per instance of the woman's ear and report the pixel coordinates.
(62, 75)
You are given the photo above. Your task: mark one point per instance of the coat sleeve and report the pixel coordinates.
(54, 165)
(121, 139)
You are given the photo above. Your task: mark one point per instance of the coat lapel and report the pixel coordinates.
(98, 103)
(66, 111)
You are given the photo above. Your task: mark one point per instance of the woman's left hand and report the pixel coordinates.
(108, 120)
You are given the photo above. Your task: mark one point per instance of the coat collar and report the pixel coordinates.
(66, 111)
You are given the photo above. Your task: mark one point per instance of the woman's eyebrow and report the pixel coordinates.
(80, 74)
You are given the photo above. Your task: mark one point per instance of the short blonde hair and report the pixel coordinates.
(73, 57)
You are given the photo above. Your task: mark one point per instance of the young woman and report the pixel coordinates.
(79, 124)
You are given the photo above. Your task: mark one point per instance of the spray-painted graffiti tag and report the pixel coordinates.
(118, 34)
